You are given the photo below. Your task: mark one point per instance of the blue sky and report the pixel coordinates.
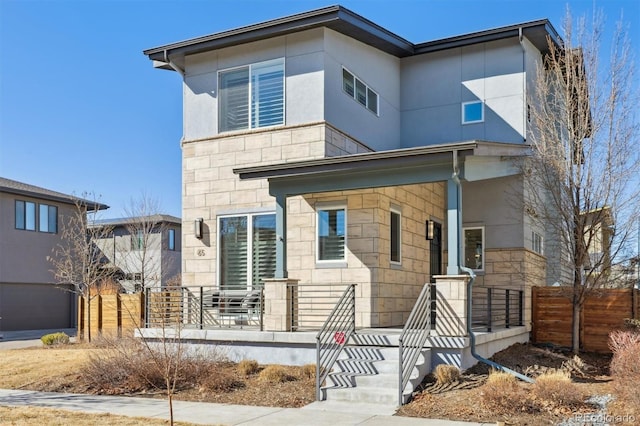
(83, 110)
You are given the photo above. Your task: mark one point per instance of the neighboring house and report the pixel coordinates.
(146, 250)
(351, 155)
(30, 224)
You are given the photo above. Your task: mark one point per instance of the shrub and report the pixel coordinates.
(308, 371)
(445, 374)
(275, 374)
(55, 339)
(217, 379)
(632, 324)
(555, 388)
(502, 393)
(247, 367)
(625, 366)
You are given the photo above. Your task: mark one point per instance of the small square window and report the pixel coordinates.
(472, 112)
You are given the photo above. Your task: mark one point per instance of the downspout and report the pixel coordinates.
(472, 278)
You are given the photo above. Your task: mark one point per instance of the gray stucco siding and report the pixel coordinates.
(381, 73)
(435, 85)
(303, 80)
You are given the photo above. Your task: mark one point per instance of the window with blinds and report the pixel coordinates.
(251, 96)
(247, 247)
(331, 234)
(358, 90)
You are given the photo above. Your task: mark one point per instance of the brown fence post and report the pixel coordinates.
(81, 323)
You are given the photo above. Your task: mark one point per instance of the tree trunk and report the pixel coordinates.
(575, 334)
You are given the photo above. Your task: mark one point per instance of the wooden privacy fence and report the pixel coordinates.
(604, 311)
(113, 315)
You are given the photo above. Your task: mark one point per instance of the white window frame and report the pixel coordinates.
(250, 216)
(481, 120)
(392, 211)
(537, 242)
(325, 207)
(250, 108)
(464, 248)
(367, 89)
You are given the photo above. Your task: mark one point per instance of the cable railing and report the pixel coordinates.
(204, 307)
(495, 308)
(333, 335)
(413, 338)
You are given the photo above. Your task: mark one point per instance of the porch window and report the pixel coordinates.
(396, 235)
(251, 96)
(331, 233)
(474, 248)
(247, 250)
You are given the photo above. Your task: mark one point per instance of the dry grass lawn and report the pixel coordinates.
(23, 416)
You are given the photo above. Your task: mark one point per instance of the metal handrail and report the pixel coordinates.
(334, 334)
(413, 337)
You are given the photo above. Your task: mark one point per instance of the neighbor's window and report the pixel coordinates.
(472, 112)
(251, 96)
(172, 239)
(137, 240)
(359, 91)
(332, 233)
(474, 248)
(536, 242)
(396, 235)
(48, 219)
(25, 215)
(247, 250)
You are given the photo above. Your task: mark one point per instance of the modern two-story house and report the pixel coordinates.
(145, 250)
(31, 219)
(348, 154)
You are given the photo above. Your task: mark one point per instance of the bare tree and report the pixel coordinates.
(582, 178)
(78, 260)
(148, 262)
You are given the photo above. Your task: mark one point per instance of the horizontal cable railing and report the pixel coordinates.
(204, 307)
(495, 308)
(312, 303)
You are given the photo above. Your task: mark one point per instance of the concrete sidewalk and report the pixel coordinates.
(208, 413)
(29, 338)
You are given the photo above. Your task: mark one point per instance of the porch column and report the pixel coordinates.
(451, 305)
(281, 236)
(280, 302)
(454, 227)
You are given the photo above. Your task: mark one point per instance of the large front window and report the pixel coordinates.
(247, 250)
(251, 96)
(332, 233)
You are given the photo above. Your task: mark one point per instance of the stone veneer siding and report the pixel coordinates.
(210, 188)
(385, 292)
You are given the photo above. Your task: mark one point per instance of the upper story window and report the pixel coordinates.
(25, 215)
(472, 112)
(172, 239)
(48, 219)
(332, 233)
(137, 240)
(474, 248)
(251, 96)
(359, 91)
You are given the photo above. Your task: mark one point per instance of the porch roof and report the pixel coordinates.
(366, 170)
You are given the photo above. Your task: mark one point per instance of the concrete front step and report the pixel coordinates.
(369, 374)
(350, 407)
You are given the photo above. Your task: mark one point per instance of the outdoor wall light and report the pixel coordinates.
(197, 227)
(430, 229)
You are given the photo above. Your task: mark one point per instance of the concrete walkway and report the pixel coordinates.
(208, 413)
